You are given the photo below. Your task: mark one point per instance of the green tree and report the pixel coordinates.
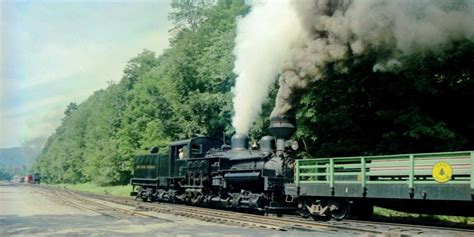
(188, 14)
(70, 109)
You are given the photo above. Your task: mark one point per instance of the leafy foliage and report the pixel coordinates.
(188, 14)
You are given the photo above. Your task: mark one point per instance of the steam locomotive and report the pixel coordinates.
(214, 174)
(270, 179)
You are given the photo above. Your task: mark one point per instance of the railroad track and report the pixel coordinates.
(348, 226)
(287, 222)
(83, 202)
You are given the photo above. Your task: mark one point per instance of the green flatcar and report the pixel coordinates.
(428, 183)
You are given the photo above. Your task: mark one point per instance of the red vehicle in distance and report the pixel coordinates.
(29, 179)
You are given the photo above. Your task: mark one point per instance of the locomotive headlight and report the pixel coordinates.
(294, 145)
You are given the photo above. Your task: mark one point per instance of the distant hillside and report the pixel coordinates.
(18, 156)
(17, 161)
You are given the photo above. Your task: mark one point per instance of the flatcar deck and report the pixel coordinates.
(436, 177)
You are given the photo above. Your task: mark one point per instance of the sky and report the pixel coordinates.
(56, 52)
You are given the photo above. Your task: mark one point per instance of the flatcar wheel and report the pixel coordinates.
(339, 210)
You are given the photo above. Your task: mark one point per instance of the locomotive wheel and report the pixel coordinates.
(339, 209)
(304, 212)
(196, 199)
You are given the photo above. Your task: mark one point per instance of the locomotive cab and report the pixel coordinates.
(193, 148)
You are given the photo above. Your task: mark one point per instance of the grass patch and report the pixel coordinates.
(90, 187)
(387, 214)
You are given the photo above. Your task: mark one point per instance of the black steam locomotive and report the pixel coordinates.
(214, 174)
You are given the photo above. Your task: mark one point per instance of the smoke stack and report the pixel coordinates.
(239, 142)
(282, 127)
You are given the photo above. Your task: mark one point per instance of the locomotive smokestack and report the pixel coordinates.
(282, 127)
(239, 142)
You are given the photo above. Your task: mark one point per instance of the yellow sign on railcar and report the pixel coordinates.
(442, 172)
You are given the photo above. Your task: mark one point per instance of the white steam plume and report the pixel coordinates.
(264, 38)
(338, 30)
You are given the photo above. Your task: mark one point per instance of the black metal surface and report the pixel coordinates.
(240, 142)
(242, 177)
(282, 127)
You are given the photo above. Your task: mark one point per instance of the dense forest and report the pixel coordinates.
(187, 90)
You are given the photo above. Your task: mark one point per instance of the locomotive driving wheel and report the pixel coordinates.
(197, 198)
(304, 213)
(303, 209)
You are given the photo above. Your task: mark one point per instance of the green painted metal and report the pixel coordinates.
(391, 173)
(411, 180)
(387, 182)
(394, 164)
(450, 182)
(472, 171)
(297, 174)
(346, 173)
(311, 175)
(409, 169)
(146, 166)
(345, 166)
(331, 173)
(362, 172)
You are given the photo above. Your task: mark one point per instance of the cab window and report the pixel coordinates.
(196, 149)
